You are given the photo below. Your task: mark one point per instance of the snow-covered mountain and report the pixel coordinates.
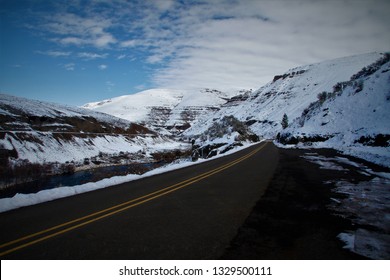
(354, 116)
(289, 94)
(139, 107)
(21, 114)
(161, 109)
(42, 133)
(342, 103)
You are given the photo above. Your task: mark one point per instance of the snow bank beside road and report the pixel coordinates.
(22, 200)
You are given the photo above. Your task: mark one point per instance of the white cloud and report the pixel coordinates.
(243, 44)
(140, 87)
(130, 43)
(73, 29)
(72, 41)
(70, 66)
(224, 43)
(164, 5)
(90, 55)
(103, 40)
(155, 58)
(54, 53)
(109, 86)
(102, 67)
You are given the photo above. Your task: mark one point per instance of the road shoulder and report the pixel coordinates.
(293, 219)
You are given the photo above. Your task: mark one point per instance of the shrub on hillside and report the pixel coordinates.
(226, 126)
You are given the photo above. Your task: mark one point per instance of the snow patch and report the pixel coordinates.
(22, 200)
(348, 239)
(367, 243)
(366, 203)
(324, 162)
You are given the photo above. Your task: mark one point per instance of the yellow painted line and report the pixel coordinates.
(123, 206)
(125, 203)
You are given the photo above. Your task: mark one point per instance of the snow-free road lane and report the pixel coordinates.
(190, 213)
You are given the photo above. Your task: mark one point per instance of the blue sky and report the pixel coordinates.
(77, 51)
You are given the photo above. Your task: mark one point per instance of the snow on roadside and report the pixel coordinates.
(324, 163)
(367, 243)
(366, 203)
(22, 200)
(366, 200)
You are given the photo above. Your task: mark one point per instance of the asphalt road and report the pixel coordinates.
(191, 213)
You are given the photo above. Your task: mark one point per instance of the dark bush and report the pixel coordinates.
(287, 139)
(379, 140)
(170, 156)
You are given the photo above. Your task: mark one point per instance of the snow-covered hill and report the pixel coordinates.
(354, 123)
(289, 93)
(35, 132)
(23, 114)
(353, 117)
(137, 107)
(163, 108)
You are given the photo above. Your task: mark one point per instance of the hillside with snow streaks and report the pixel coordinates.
(350, 121)
(16, 106)
(40, 132)
(44, 148)
(289, 93)
(162, 109)
(137, 107)
(353, 117)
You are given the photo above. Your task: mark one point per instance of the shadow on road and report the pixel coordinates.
(296, 217)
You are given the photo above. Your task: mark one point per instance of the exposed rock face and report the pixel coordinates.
(169, 111)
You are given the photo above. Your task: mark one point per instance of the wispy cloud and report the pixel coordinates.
(140, 87)
(244, 43)
(90, 55)
(70, 66)
(221, 43)
(110, 86)
(73, 29)
(131, 43)
(55, 53)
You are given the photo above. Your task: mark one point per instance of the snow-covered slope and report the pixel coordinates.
(137, 107)
(18, 107)
(289, 93)
(40, 132)
(356, 119)
(354, 116)
(353, 120)
(167, 108)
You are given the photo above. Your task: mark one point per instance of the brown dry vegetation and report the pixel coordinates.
(170, 156)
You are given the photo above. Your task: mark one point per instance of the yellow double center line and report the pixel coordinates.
(37, 237)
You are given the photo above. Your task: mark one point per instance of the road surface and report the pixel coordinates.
(190, 213)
